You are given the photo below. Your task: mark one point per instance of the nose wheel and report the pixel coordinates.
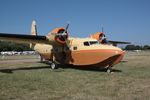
(109, 70)
(54, 65)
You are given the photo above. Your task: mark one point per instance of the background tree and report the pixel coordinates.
(10, 46)
(137, 47)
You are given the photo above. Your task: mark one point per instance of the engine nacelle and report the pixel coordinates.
(59, 35)
(98, 36)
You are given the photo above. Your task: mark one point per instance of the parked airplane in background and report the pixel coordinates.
(58, 47)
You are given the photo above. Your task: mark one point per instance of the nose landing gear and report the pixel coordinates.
(54, 65)
(109, 70)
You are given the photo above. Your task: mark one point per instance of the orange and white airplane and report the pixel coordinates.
(58, 47)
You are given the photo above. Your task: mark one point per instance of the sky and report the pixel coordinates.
(122, 20)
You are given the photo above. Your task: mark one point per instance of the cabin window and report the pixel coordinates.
(74, 48)
(93, 42)
(88, 43)
(54, 50)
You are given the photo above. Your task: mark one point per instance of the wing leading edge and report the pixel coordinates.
(115, 43)
(24, 38)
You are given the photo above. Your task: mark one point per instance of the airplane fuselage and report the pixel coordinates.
(59, 47)
(82, 53)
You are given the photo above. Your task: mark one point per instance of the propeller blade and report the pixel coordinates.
(67, 27)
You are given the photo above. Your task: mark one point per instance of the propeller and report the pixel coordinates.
(67, 41)
(67, 27)
(63, 35)
(114, 43)
(102, 37)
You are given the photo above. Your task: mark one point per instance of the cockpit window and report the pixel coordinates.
(93, 42)
(88, 43)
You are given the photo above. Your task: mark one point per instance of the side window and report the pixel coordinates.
(54, 50)
(86, 43)
(75, 48)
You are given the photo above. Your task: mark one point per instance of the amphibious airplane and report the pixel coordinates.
(58, 47)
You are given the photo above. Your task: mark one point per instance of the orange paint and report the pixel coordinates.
(97, 35)
(96, 50)
(92, 51)
(97, 58)
(33, 32)
(56, 31)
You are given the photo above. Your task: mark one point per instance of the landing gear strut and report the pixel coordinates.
(53, 63)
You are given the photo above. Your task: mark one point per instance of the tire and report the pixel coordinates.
(109, 70)
(54, 65)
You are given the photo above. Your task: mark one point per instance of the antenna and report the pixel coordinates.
(102, 29)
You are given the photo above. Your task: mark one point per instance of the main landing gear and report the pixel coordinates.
(53, 63)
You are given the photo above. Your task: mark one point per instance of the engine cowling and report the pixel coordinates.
(60, 35)
(98, 35)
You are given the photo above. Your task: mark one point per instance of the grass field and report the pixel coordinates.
(36, 81)
(18, 57)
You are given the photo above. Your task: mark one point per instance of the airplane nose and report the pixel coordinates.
(118, 56)
(120, 52)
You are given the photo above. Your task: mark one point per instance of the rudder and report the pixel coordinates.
(33, 32)
(33, 28)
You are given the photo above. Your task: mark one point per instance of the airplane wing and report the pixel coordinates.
(58, 36)
(115, 43)
(24, 38)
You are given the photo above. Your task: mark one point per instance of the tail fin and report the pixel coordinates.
(33, 32)
(33, 28)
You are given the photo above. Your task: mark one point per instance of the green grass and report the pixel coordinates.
(16, 57)
(36, 81)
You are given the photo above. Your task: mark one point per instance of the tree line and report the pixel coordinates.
(137, 47)
(10, 46)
